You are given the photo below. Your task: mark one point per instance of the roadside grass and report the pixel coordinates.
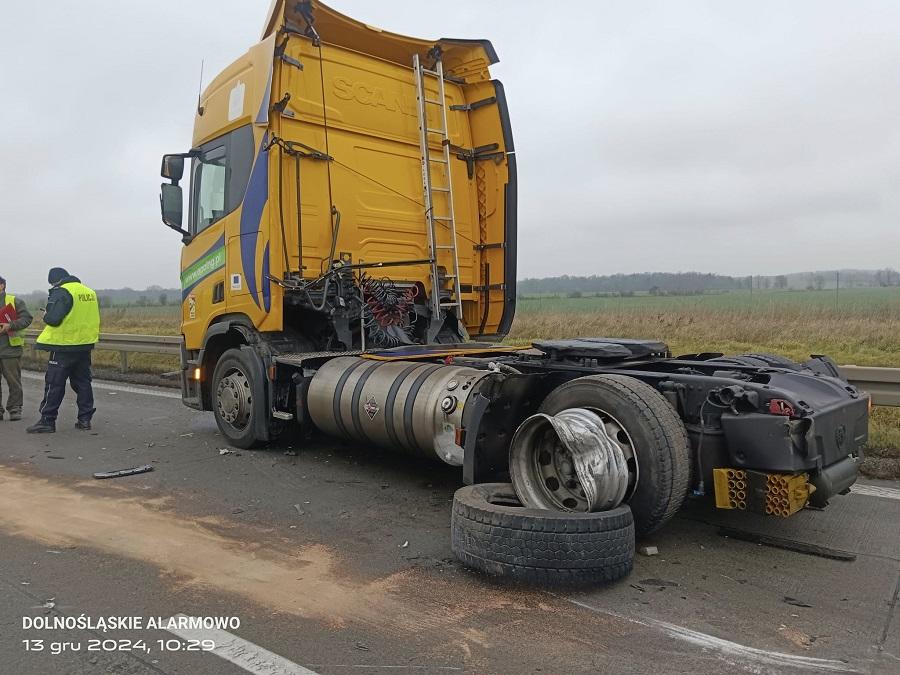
(857, 336)
(155, 320)
(883, 450)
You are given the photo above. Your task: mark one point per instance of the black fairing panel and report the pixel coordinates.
(601, 348)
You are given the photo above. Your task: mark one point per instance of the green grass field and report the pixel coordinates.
(860, 326)
(854, 300)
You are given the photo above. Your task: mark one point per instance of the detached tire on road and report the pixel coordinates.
(493, 533)
(657, 434)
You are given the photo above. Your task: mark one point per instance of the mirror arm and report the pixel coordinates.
(184, 233)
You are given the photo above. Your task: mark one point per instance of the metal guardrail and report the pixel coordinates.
(883, 384)
(129, 344)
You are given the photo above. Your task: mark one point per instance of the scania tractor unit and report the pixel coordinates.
(349, 267)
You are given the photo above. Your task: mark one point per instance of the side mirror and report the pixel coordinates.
(172, 167)
(170, 202)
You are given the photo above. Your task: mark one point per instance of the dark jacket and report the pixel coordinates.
(23, 320)
(59, 304)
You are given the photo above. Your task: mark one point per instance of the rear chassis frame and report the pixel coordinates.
(823, 438)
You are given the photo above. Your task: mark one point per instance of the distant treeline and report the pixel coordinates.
(690, 283)
(110, 297)
(623, 283)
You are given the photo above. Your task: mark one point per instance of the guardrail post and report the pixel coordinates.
(124, 367)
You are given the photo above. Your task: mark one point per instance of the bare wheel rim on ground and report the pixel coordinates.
(543, 468)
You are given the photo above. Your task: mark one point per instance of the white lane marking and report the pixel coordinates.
(368, 667)
(875, 491)
(240, 652)
(727, 648)
(124, 388)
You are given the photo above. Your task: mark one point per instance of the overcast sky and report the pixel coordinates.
(735, 137)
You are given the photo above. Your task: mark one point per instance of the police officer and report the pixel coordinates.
(73, 328)
(11, 342)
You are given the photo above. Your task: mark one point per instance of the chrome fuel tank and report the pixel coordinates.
(406, 405)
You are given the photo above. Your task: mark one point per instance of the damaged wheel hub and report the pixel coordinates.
(576, 460)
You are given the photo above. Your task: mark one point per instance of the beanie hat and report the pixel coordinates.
(56, 275)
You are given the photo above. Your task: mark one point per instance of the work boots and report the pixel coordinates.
(43, 426)
(15, 415)
(84, 425)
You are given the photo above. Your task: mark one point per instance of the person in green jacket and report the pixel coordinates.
(12, 340)
(72, 328)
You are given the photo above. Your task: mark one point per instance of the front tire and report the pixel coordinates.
(237, 399)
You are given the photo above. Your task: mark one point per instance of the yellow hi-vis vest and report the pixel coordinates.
(14, 341)
(81, 325)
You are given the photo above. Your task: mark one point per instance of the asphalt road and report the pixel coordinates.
(335, 558)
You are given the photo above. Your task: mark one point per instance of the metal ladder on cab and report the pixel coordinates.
(440, 218)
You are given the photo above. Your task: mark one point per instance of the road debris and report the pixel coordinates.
(405, 544)
(299, 510)
(228, 451)
(796, 637)
(49, 603)
(795, 602)
(659, 583)
(290, 453)
(123, 472)
(55, 457)
(648, 550)
(787, 544)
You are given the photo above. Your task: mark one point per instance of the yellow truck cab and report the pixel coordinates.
(349, 189)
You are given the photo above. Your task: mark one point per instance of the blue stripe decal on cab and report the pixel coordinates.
(254, 202)
(265, 283)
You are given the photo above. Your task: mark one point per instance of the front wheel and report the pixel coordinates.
(236, 399)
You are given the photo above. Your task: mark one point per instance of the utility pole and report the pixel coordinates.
(837, 288)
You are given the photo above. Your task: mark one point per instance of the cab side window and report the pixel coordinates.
(219, 177)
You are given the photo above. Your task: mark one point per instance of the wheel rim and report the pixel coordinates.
(545, 469)
(234, 399)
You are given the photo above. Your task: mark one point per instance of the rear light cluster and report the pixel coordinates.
(778, 406)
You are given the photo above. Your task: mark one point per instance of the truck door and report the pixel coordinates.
(219, 175)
